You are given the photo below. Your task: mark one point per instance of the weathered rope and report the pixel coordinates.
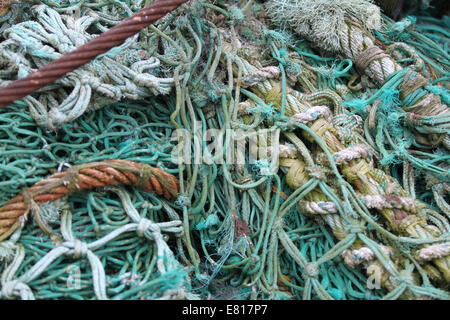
(83, 177)
(326, 219)
(114, 76)
(351, 38)
(101, 44)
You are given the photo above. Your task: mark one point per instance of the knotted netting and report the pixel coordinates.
(342, 193)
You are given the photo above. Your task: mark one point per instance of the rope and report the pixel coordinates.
(329, 201)
(109, 39)
(85, 176)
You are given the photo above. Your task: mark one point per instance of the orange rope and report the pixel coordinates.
(84, 177)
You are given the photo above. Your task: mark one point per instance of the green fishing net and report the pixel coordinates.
(313, 222)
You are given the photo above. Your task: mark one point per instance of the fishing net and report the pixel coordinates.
(340, 191)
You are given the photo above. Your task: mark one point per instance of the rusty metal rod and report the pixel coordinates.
(86, 53)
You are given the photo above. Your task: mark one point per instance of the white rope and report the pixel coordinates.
(390, 202)
(319, 207)
(357, 256)
(110, 77)
(353, 152)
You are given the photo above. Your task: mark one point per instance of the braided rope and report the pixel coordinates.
(252, 226)
(101, 44)
(348, 34)
(380, 66)
(83, 177)
(400, 212)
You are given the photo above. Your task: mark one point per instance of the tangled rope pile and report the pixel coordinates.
(131, 76)
(343, 193)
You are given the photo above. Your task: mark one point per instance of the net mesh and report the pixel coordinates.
(354, 205)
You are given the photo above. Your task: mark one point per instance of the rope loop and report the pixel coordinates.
(16, 289)
(71, 179)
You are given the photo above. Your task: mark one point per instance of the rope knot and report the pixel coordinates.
(9, 288)
(55, 118)
(89, 79)
(71, 179)
(312, 270)
(245, 179)
(183, 201)
(406, 277)
(413, 118)
(80, 249)
(412, 81)
(144, 225)
(28, 200)
(278, 224)
(16, 288)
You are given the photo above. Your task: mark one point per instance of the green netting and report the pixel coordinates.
(326, 225)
